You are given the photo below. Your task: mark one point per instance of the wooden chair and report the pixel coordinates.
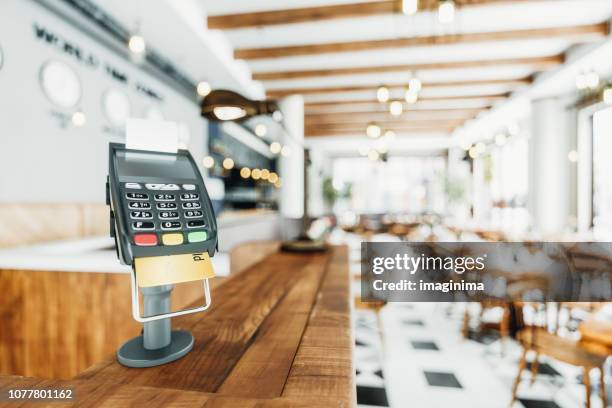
(541, 342)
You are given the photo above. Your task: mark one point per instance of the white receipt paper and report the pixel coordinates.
(151, 135)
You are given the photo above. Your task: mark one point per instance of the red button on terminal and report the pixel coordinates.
(145, 239)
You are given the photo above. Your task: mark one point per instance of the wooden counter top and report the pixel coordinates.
(278, 334)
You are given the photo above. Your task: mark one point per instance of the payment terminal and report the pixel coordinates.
(164, 227)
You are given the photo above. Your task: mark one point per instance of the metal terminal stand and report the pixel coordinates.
(158, 344)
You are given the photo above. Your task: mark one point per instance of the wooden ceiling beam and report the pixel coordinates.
(360, 126)
(333, 12)
(574, 33)
(407, 115)
(361, 132)
(362, 102)
(537, 63)
(513, 83)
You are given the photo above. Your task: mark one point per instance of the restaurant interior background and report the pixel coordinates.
(464, 120)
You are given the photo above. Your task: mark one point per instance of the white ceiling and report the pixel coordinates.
(474, 19)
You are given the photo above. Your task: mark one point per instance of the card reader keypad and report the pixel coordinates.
(168, 214)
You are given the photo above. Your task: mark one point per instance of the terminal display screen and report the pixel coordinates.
(139, 164)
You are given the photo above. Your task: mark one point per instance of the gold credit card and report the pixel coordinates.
(165, 270)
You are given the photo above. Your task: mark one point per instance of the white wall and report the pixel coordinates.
(43, 161)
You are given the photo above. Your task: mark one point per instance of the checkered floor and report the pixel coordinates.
(413, 355)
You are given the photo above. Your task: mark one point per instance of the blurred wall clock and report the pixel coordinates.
(60, 84)
(116, 106)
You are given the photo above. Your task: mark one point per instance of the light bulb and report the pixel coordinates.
(410, 7)
(396, 108)
(261, 130)
(245, 172)
(373, 155)
(265, 174)
(411, 97)
(273, 178)
(78, 119)
(229, 112)
(137, 44)
(373, 131)
(607, 96)
(473, 152)
(382, 94)
(275, 147)
(208, 162)
(203, 88)
(277, 116)
(592, 80)
(446, 11)
(389, 135)
(256, 174)
(415, 85)
(581, 82)
(228, 163)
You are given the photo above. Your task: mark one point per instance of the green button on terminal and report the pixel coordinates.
(197, 236)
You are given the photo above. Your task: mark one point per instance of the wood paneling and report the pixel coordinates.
(511, 83)
(574, 34)
(56, 324)
(537, 63)
(322, 13)
(24, 223)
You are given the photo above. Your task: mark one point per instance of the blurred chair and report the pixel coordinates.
(541, 342)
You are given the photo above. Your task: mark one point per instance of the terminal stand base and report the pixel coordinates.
(158, 344)
(133, 354)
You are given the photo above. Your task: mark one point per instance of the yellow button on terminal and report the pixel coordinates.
(172, 239)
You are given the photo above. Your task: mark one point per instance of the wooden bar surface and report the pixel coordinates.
(277, 335)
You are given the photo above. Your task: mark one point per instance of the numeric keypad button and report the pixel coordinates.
(166, 206)
(170, 225)
(189, 186)
(193, 205)
(189, 196)
(141, 215)
(139, 205)
(168, 215)
(193, 214)
(164, 197)
(137, 196)
(143, 225)
(195, 224)
(134, 186)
